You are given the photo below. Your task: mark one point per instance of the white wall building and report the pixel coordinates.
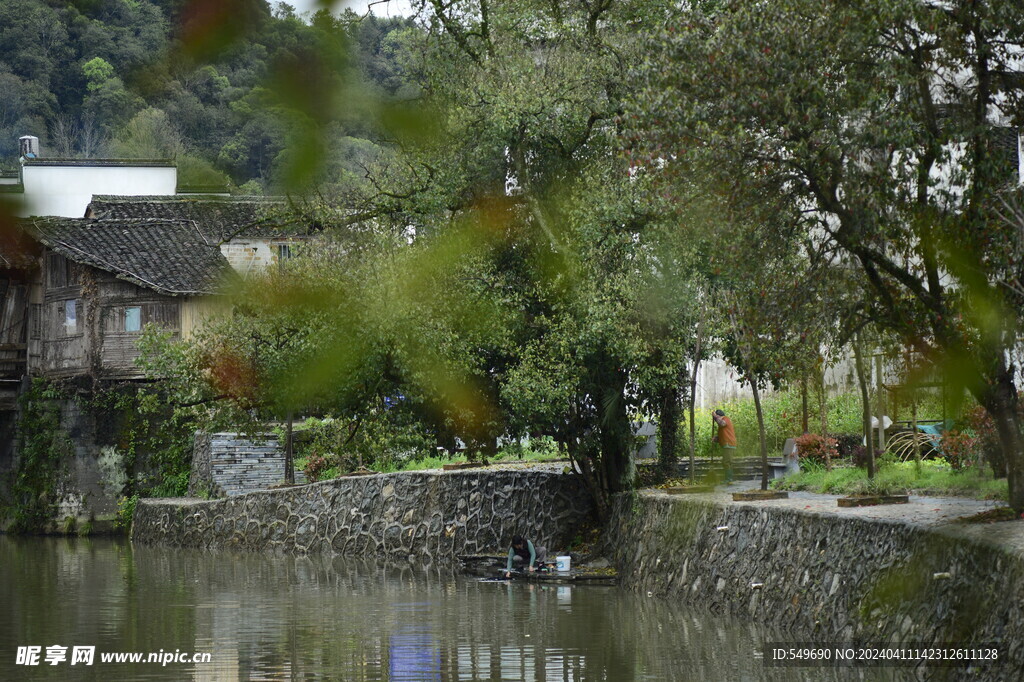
(64, 187)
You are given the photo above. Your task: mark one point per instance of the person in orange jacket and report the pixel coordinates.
(725, 436)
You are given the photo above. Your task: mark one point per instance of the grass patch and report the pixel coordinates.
(538, 450)
(894, 478)
(512, 454)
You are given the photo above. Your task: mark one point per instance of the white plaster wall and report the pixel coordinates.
(1020, 157)
(718, 381)
(249, 255)
(67, 190)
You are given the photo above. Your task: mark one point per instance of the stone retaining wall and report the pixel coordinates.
(821, 577)
(427, 516)
(225, 464)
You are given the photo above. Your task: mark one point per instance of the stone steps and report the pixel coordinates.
(742, 467)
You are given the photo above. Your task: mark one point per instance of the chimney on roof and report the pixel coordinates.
(28, 146)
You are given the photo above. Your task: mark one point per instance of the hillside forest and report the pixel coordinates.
(150, 79)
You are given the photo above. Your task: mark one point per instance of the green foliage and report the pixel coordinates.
(151, 431)
(533, 449)
(126, 512)
(777, 115)
(935, 478)
(380, 439)
(44, 449)
(97, 72)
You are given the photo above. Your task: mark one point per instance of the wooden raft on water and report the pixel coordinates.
(493, 566)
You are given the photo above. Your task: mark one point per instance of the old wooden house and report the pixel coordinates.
(138, 260)
(76, 294)
(101, 281)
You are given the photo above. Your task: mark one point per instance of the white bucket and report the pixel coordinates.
(562, 563)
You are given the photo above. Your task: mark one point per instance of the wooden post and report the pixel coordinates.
(823, 413)
(913, 417)
(880, 404)
(805, 421)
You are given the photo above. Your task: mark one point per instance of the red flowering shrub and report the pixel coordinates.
(813, 447)
(315, 467)
(979, 421)
(959, 448)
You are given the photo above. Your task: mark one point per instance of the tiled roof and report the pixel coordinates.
(170, 257)
(218, 218)
(18, 251)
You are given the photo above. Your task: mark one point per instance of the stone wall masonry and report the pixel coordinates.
(825, 578)
(426, 516)
(226, 464)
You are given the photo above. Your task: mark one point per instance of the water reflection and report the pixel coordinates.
(296, 618)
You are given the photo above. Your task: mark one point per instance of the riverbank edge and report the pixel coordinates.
(823, 577)
(426, 516)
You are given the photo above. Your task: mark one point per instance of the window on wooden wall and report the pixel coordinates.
(68, 311)
(133, 319)
(162, 315)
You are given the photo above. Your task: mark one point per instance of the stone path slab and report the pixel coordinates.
(938, 513)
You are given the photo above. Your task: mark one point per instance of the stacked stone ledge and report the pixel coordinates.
(824, 578)
(425, 516)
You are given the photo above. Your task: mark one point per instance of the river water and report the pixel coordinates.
(277, 617)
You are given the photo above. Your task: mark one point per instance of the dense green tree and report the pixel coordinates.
(520, 101)
(864, 118)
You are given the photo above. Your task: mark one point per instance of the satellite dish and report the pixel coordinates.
(886, 422)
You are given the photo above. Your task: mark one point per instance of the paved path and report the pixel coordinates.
(937, 513)
(921, 511)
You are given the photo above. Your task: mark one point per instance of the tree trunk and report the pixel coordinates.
(615, 432)
(999, 398)
(668, 428)
(591, 480)
(289, 459)
(917, 441)
(823, 413)
(693, 394)
(615, 455)
(913, 420)
(862, 381)
(762, 440)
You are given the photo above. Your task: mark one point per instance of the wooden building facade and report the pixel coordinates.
(96, 282)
